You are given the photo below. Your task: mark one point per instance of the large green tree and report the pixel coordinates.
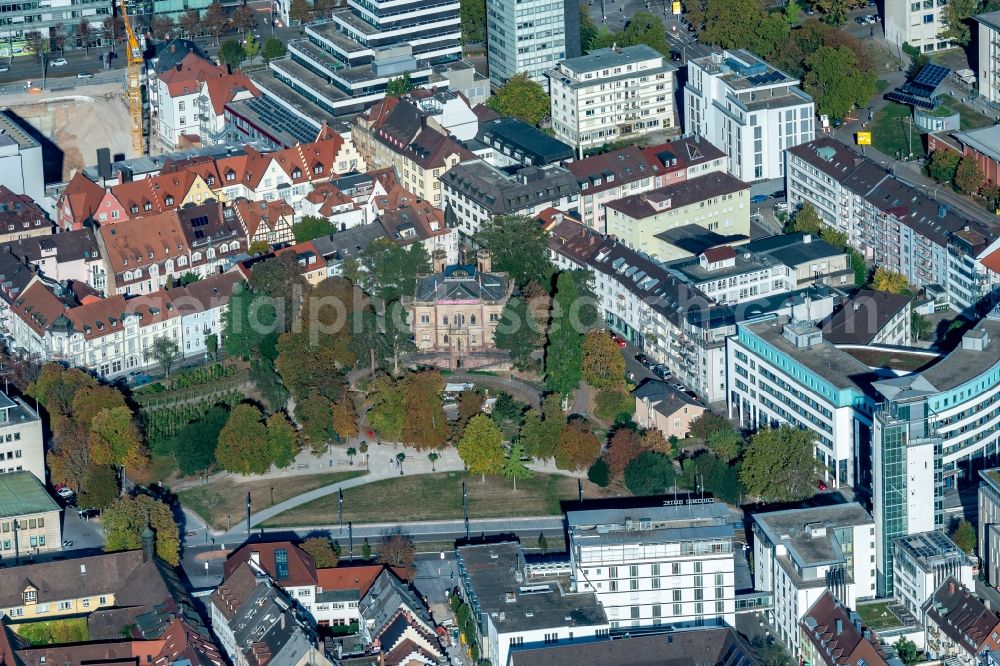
(968, 175)
(425, 426)
(564, 352)
(521, 97)
(780, 464)
(472, 20)
(956, 15)
(247, 321)
(194, 445)
(399, 85)
(387, 407)
(515, 468)
(232, 53)
(651, 473)
(837, 82)
(942, 164)
(100, 487)
(964, 536)
(312, 226)
(603, 363)
(517, 333)
(481, 447)
(125, 520)
(282, 439)
(390, 270)
(519, 247)
(243, 445)
(542, 428)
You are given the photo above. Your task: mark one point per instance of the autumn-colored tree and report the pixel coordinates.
(624, 446)
(890, 282)
(216, 22)
(125, 520)
(115, 439)
(397, 550)
(387, 407)
(345, 417)
(969, 176)
(282, 439)
(243, 18)
(603, 363)
(707, 423)
(470, 403)
(578, 446)
(190, 22)
(243, 443)
(542, 429)
(481, 447)
(425, 426)
(653, 440)
(315, 413)
(56, 388)
(322, 551)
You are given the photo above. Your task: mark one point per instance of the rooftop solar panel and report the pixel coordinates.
(931, 75)
(913, 100)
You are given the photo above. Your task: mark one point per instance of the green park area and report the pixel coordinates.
(439, 497)
(892, 133)
(217, 501)
(878, 615)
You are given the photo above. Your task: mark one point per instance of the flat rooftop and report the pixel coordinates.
(495, 575)
(665, 523)
(22, 493)
(599, 59)
(961, 365)
(332, 34)
(279, 123)
(807, 533)
(692, 270)
(837, 367)
(930, 549)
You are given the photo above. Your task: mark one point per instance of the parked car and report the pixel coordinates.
(59, 62)
(87, 514)
(661, 371)
(642, 358)
(67, 544)
(84, 75)
(65, 493)
(679, 386)
(861, 20)
(618, 341)
(821, 485)
(675, 55)
(758, 198)
(4, 68)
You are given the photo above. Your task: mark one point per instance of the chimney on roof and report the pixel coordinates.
(440, 260)
(951, 587)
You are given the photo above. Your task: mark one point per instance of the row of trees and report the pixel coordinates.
(94, 433)
(963, 172)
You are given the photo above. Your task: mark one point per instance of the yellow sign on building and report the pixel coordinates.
(677, 7)
(864, 138)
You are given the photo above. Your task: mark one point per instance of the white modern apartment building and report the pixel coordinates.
(932, 429)
(989, 56)
(22, 447)
(783, 372)
(519, 606)
(19, 18)
(915, 22)
(921, 564)
(801, 553)
(530, 37)
(611, 94)
(750, 110)
(670, 564)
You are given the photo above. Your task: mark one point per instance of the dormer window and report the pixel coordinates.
(134, 209)
(210, 180)
(318, 168)
(30, 596)
(170, 201)
(296, 172)
(230, 176)
(147, 206)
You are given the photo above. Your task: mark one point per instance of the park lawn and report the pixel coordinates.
(53, 632)
(160, 469)
(215, 501)
(878, 615)
(891, 131)
(970, 118)
(439, 497)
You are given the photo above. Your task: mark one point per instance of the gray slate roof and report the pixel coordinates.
(503, 192)
(462, 283)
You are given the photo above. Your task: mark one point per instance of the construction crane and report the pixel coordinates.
(135, 63)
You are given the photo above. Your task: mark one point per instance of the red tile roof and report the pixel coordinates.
(723, 253)
(992, 261)
(83, 196)
(301, 568)
(348, 578)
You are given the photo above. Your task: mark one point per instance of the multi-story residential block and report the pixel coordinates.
(157, 194)
(340, 247)
(871, 317)
(895, 225)
(608, 177)
(515, 606)
(267, 222)
(70, 256)
(918, 23)
(29, 517)
(20, 154)
(988, 26)
(661, 406)
(514, 142)
(684, 157)
(749, 109)
(530, 37)
(930, 430)
(611, 94)
(420, 222)
(802, 554)
(344, 62)
(19, 19)
(191, 99)
(77, 205)
(782, 371)
(810, 260)
(457, 309)
(989, 524)
(922, 563)
(22, 447)
(670, 564)
(21, 217)
(475, 192)
(716, 202)
(669, 320)
(832, 634)
(252, 617)
(958, 627)
(403, 134)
